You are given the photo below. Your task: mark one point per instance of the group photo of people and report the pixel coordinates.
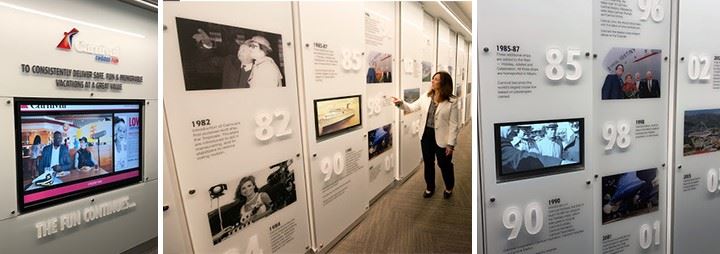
(632, 74)
(217, 56)
(536, 146)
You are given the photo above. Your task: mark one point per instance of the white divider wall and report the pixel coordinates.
(640, 48)
(343, 198)
(560, 204)
(696, 202)
(411, 32)
(33, 42)
(380, 37)
(460, 76)
(260, 124)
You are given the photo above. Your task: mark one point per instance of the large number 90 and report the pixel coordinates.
(513, 219)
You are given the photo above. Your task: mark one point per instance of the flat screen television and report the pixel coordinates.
(538, 148)
(337, 115)
(67, 149)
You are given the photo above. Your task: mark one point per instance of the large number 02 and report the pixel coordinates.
(619, 135)
(712, 180)
(513, 219)
(555, 71)
(699, 67)
(647, 234)
(265, 131)
(336, 165)
(351, 60)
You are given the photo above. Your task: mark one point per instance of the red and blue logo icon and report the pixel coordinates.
(102, 53)
(66, 42)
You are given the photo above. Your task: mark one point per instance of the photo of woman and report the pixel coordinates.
(265, 72)
(119, 139)
(256, 203)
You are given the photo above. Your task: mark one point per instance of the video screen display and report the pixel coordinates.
(72, 148)
(702, 132)
(538, 148)
(335, 115)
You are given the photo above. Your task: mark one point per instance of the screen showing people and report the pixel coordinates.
(380, 68)
(250, 198)
(216, 56)
(528, 149)
(73, 147)
(632, 73)
(629, 194)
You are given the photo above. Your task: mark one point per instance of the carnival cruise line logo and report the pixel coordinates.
(102, 53)
(66, 42)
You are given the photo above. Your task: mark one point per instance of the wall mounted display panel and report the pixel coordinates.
(105, 60)
(413, 48)
(446, 48)
(697, 124)
(460, 75)
(630, 99)
(176, 237)
(537, 213)
(381, 35)
(237, 159)
(335, 65)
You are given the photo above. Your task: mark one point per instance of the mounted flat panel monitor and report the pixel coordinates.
(538, 148)
(337, 115)
(67, 149)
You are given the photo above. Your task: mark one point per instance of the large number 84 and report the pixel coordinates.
(555, 71)
(513, 219)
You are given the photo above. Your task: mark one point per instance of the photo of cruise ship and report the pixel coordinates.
(702, 132)
(334, 115)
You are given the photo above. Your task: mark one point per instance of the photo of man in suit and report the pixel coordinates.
(56, 156)
(612, 87)
(650, 87)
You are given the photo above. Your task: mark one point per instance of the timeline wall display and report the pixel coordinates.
(250, 195)
(632, 41)
(339, 170)
(416, 68)
(80, 121)
(696, 198)
(527, 150)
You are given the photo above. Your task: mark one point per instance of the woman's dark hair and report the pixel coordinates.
(238, 192)
(116, 120)
(37, 140)
(618, 66)
(446, 86)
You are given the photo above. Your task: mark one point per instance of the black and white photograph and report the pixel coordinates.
(629, 194)
(240, 203)
(379, 67)
(526, 149)
(379, 141)
(216, 56)
(632, 73)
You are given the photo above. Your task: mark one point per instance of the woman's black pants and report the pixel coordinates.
(430, 150)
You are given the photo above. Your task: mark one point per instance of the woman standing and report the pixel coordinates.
(438, 138)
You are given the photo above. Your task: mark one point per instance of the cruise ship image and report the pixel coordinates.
(336, 119)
